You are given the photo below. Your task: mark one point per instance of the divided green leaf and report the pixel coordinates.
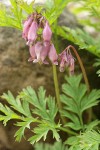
(89, 140)
(33, 108)
(76, 100)
(55, 146)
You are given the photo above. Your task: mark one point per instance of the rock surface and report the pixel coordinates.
(17, 73)
(15, 70)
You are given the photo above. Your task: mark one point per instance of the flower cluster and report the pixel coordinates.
(66, 60)
(38, 34)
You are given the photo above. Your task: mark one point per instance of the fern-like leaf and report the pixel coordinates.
(76, 100)
(43, 111)
(89, 140)
(55, 146)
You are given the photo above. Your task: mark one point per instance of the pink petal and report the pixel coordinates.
(63, 61)
(32, 34)
(26, 27)
(53, 55)
(45, 51)
(32, 53)
(71, 66)
(38, 49)
(47, 33)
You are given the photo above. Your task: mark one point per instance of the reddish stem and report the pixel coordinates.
(81, 66)
(84, 76)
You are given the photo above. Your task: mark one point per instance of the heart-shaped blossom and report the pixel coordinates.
(66, 60)
(32, 53)
(47, 33)
(38, 49)
(45, 51)
(71, 65)
(32, 34)
(26, 27)
(63, 61)
(53, 55)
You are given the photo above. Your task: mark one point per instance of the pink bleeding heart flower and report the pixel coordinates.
(32, 53)
(26, 27)
(47, 33)
(53, 55)
(66, 60)
(32, 34)
(45, 51)
(38, 49)
(63, 61)
(71, 65)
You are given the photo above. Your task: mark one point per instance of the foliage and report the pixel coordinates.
(76, 100)
(31, 107)
(44, 112)
(79, 35)
(92, 8)
(89, 140)
(19, 10)
(53, 9)
(80, 38)
(13, 18)
(55, 146)
(92, 19)
(97, 64)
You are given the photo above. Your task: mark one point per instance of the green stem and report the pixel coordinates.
(58, 100)
(56, 87)
(68, 131)
(57, 91)
(81, 121)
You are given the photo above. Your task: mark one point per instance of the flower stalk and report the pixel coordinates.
(57, 91)
(70, 132)
(81, 66)
(89, 111)
(56, 87)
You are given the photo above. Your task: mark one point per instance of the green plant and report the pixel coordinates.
(26, 117)
(44, 110)
(55, 146)
(97, 64)
(76, 101)
(89, 140)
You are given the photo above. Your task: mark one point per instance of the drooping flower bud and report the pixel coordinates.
(66, 60)
(47, 33)
(32, 53)
(32, 34)
(26, 27)
(71, 66)
(63, 61)
(53, 55)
